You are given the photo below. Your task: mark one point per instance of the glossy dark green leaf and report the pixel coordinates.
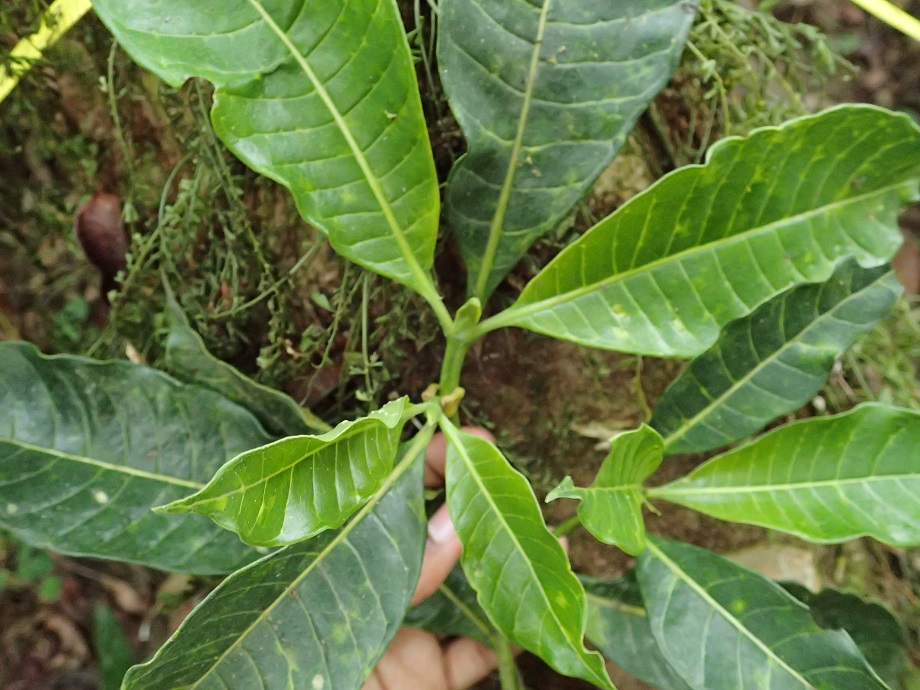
(545, 92)
(320, 96)
(518, 568)
(618, 626)
(318, 614)
(453, 610)
(877, 632)
(771, 362)
(824, 479)
(88, 448)
(708, 244)
(611, 508)
(297, 487)
(188, 360)
(724, 627)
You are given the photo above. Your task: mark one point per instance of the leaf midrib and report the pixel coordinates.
(615, 605)
(681, 574)
(467, 612)
(355, 428)
(504, 197)
(423, 282)
(691, 422)
(664, 492)
(85, 460)
(452, 433)
(515, 314)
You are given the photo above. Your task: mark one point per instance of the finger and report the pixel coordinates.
(441, 553)
(436, 455)
(467, 662)
(411, 661)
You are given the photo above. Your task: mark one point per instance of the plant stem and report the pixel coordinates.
(127, 150)
(507, 668)
(566, 526)
(365, 328)
(452, 363)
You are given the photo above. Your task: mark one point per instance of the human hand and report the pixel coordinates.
(416, 659)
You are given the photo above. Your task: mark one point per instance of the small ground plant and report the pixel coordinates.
(762, 265)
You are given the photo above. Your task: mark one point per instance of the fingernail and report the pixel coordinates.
(440, 528)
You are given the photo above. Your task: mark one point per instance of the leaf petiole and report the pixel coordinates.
(567, 526)
(508, 673)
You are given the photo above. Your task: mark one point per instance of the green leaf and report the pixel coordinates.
(319, 96)
(88, 448)
(611, 508)
(546, 93)
(618, 626)
(724, 627)
(518, 568)
(113, 650)
(318, 614)
(453, 611)
(877, 632)
(709, 243)
(825, 479)
(772, 362)
(297, 487)
(188, 360)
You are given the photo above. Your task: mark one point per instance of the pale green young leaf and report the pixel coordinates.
(611, 508)
(317, 614)
(517, 567)
(724, 627)
(709, 243)
(88, 448)
(772, 362)
(188, 359)
(827, 479)
(545, 92)
(297, 487)
(319, 96)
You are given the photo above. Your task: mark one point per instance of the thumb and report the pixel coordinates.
(441, 553)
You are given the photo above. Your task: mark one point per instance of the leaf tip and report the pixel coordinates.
(566, 489)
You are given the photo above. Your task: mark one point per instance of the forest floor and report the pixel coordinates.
(286, 310)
